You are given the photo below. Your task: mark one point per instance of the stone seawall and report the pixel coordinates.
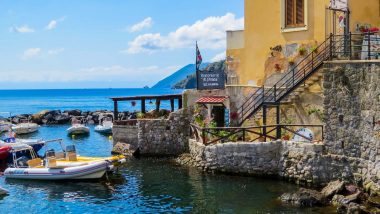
(300, 162)
(155, 137)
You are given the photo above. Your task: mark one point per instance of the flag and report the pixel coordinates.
(199, 58)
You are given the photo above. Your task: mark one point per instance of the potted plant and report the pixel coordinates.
(314, 49)
(302, 51)
(291, 61)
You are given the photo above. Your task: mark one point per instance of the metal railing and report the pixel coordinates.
(352, 46)
(209, 136)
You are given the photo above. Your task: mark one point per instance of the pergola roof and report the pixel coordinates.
(148, 97)
(212, 100)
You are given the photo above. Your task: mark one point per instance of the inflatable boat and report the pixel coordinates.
(25, 128)
(34, 168)
(94, 170)
(105, 127)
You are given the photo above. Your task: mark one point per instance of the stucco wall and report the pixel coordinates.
(263, 30)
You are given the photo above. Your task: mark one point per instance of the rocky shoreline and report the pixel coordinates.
(58, 117)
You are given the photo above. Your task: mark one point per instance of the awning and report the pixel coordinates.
(212, 100)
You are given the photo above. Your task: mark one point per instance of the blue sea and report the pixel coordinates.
(145, 185)
(33, 101)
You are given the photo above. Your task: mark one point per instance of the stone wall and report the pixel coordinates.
(156, 137)
(300, 162)
(352, 113)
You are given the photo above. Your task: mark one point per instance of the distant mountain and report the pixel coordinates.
(190, 81)
(178, 76)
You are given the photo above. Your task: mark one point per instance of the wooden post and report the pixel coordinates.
(115, 110)
(143, 107)
(172, 104)
(179, 103)
(158, 102)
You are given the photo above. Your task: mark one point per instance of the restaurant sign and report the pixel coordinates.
(339, 4)
(208, 80)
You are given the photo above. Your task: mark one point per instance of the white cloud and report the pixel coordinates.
(31, 53)
(53, 23)
(210, 34)
(21, 29)
(55, 51)
(219, 57)
(144, 24)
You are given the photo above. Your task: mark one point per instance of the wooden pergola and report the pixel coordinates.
(143, 99)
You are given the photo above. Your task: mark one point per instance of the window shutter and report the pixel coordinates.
(289, 12)
(300, 12)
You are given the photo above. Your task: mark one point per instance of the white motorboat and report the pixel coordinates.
(105, 126)
(38, 169)
(78, 128)
(25, 127)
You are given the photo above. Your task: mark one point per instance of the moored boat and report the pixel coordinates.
(25, 127)
(78, 127)
(48, 169)
(4, 152)
(105, 126)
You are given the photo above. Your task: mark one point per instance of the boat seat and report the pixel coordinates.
(34, 163)
(60, 155)
(71, 156)
(51, 162)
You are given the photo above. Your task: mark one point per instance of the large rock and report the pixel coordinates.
(122, 149)
(62, 119)
(304, 198)
(74, 112)
(333, 188)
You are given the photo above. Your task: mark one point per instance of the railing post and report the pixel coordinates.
(369, 45)
(243, 134)
(265, 122)
(350, 42)
(331, 46)
(293, 77)
(275, 92)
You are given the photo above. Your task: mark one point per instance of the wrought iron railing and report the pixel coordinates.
(359, 46)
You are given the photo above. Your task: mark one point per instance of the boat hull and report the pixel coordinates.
(89, 171)
(4, 152)
(103, 130)
(25, 128)
(78, 130)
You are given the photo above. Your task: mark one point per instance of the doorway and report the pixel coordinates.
(218, 115)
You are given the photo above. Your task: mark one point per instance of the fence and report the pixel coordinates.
(253, 133)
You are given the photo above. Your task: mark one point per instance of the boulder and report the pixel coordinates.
(304, 198)
(333, 188)
(122, 149)
(74, 112)
(62, 119)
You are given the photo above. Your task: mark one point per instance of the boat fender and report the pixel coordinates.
(121, 161)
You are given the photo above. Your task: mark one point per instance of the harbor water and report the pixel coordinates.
(146, 185)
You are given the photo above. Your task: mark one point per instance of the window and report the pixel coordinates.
(294, 13)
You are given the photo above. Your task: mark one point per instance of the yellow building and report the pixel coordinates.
(277, 31)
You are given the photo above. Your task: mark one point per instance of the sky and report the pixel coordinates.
(108, 43)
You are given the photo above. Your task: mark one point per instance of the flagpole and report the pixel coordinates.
(196, 65)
